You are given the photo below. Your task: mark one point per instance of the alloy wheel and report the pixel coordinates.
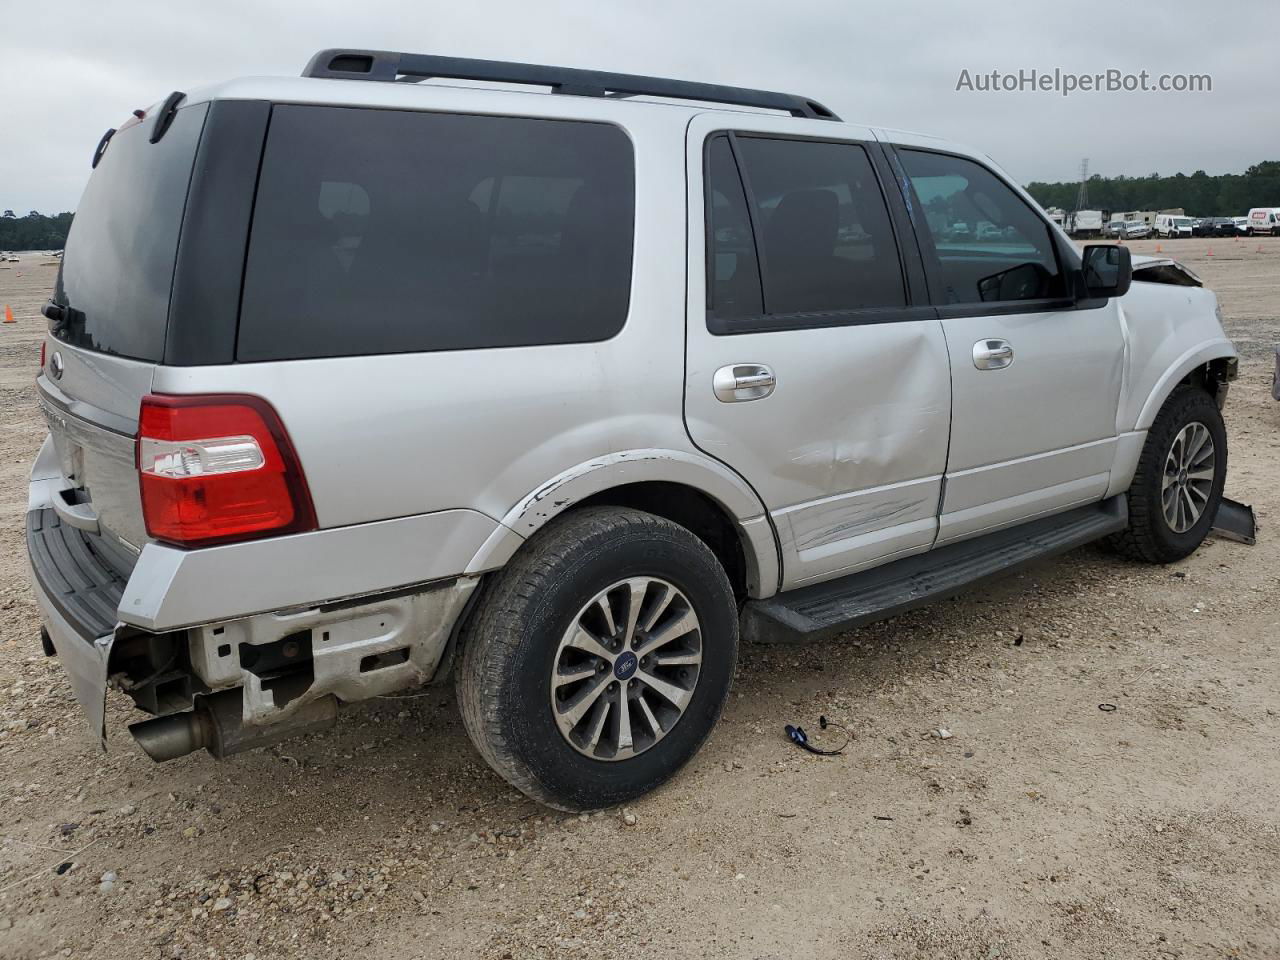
(1187, 483)
(626, 668)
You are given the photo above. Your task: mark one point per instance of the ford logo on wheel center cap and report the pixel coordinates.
(624, 667)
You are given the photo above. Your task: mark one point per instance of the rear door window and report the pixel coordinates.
(823, 227)
(380, 231)
(117, 271)
(991, 246)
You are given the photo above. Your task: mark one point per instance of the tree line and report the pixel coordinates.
(35, 231)
(1200, 195)
(1225, 195)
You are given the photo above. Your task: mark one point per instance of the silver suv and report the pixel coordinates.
(355, 384)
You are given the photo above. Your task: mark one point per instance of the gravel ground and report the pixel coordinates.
(1042, 827)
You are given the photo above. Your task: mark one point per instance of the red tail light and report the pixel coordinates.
(217, 468)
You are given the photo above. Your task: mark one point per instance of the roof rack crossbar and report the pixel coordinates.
(385, 65)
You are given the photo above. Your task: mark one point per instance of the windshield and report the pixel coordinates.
(118, 267)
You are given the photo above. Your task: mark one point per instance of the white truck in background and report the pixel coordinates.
(1170, 225)
(1263, 221)
(1085, 223)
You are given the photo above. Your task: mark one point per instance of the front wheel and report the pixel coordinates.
(1178, 484)
(600, 658)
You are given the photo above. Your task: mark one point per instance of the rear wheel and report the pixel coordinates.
(1178, 484)
(600, 658)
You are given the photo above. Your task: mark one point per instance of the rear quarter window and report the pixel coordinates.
(382, 231)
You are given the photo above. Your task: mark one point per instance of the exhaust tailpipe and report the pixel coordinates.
(216, 725)
(167, 738)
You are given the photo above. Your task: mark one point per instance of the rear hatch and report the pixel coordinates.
(110, 316)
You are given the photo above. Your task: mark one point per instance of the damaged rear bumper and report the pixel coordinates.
(77, 592)
(85, 659)
(238, 682)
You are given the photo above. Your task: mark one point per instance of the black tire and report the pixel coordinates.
(510, 651)
(1150, 536)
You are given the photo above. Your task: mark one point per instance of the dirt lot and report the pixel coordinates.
(1043, 827)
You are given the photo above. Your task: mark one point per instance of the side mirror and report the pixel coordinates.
(1108, 270)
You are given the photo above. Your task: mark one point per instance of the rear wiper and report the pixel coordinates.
(59, 316)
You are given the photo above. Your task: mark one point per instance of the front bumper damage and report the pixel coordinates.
(1235, 521)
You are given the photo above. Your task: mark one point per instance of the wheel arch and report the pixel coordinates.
(1212, 364)
(696, 492)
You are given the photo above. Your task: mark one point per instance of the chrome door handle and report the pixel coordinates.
(992, 354)
(743, 381)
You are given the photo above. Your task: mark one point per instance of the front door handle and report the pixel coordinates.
(743, 381)
(992, 354)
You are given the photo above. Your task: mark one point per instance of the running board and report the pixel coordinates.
(826, 609)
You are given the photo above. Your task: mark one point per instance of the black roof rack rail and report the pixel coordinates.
(386, 65)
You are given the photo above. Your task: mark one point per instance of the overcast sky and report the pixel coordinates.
(70, 69)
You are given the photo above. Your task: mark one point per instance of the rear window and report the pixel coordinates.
(381, 231)
(117, 271)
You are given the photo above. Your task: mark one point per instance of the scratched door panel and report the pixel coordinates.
(849, 450)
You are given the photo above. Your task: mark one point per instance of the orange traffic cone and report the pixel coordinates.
(1159, 249)
(1259, 250)
(8, 315)
(1210, 253)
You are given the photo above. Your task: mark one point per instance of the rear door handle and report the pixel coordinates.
(743, 381)
(992, 354)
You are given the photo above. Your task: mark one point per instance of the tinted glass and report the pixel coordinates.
(117, 271)
(825, 232)
(380, 231)
(990, 244)
(733, 272)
